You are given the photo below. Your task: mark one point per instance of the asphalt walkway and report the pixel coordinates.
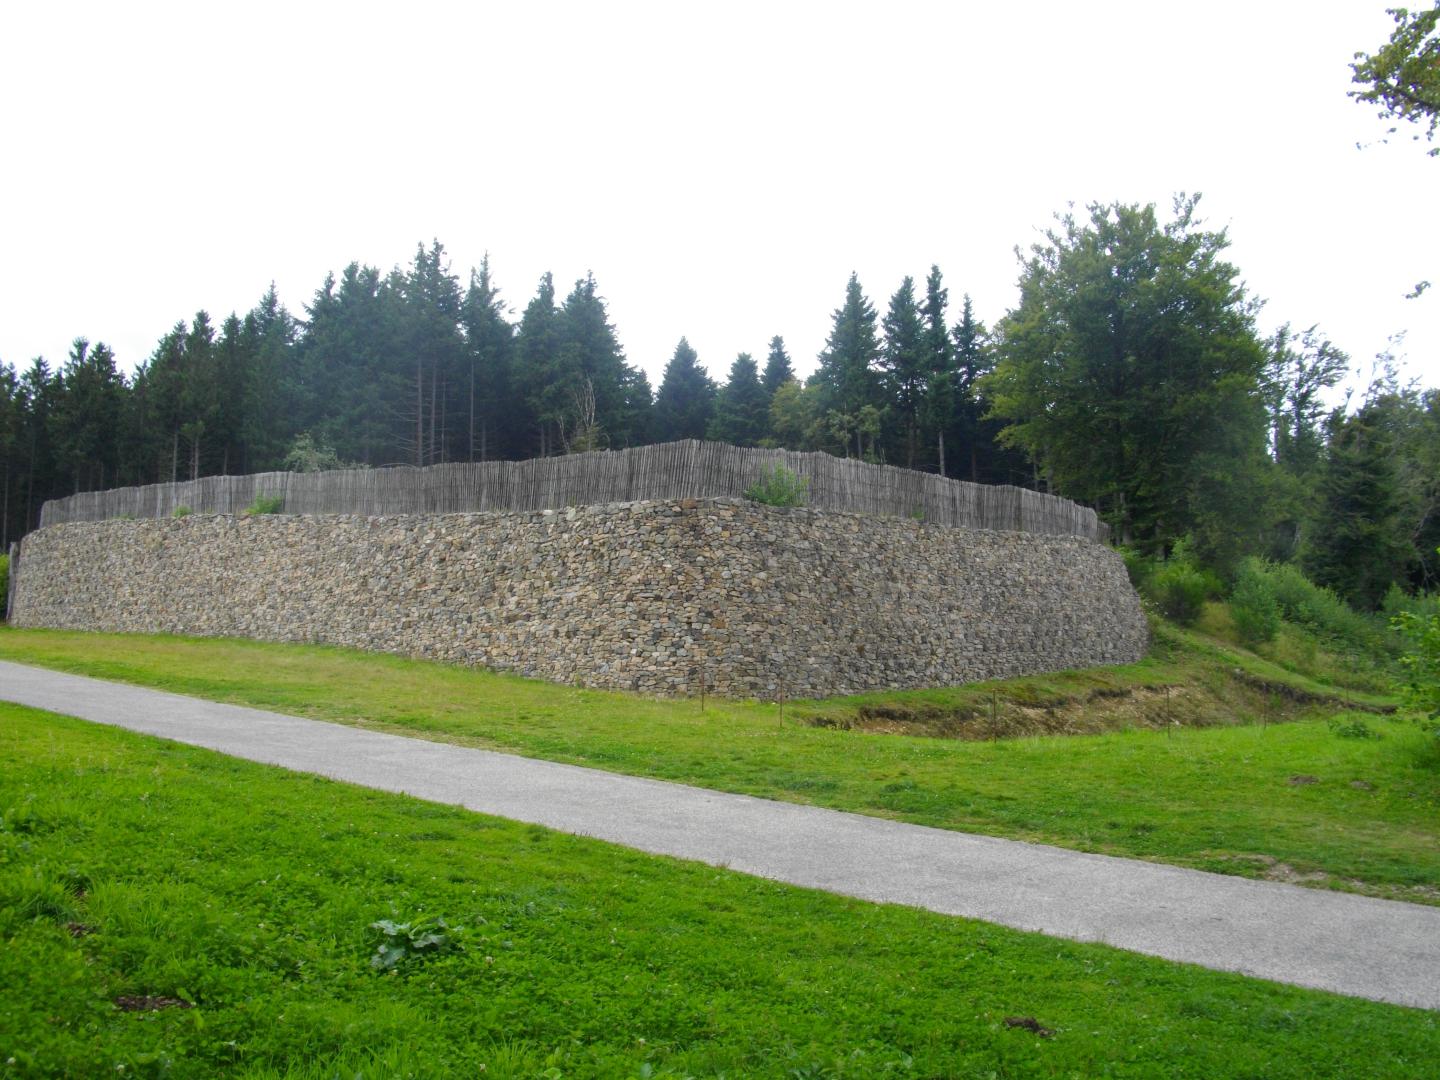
(1354, 945)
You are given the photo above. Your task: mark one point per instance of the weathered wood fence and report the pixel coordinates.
(678, 470)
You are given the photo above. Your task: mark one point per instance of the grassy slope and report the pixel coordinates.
(1218, 798)
(131, 866)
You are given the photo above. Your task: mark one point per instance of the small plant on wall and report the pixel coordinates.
(779, 486)
(265, 504)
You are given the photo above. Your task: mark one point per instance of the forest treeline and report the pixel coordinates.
(1130, 376)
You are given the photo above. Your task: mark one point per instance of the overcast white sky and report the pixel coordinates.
(721, 168)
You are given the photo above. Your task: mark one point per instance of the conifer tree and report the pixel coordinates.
(489, 354)
(537, 347)
(742, 407)
(1359, 545)
(939, 404)
(587, 388)
(850, 396)
(686, 398)
(905, 365)
(778, 369)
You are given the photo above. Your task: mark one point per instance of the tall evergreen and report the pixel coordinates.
(1359, 545)
(686, 399)
(491, 430)
(904, 361)
(270, 334)
(742, 408)
(846, 376)
(778, 369)
(12, 416)
(588, 382)
(939, 402)
(971, 363)
(87, 416)
(354, 384)
(537, 348)
(432, 339)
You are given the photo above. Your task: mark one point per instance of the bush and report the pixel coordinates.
(265, 504)
(779, 486)
(1253, 606)
(1180, 589)
(1421, 661)
(1324, 614)
(181, 511)
(1178, 586)
(1138, 566)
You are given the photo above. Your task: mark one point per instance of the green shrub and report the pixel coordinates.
(1253, 606)
(1354, 728)
(265, 504)
(181, 511)
(1421, 661)
(779, 486)
(1138, 566)
(1324, 614)
(1180, 590)
(1179, 586)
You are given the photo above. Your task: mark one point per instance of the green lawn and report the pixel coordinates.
(135, 872)
(1293, 800)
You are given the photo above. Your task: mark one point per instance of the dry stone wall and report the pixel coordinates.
(646, 596)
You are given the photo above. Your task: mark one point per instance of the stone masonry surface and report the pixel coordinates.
(646, 596)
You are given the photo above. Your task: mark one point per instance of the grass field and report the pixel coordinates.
(1295, 801)
(170, 912)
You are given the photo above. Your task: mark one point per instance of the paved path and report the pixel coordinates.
(1349, 944)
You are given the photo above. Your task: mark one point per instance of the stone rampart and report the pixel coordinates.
(647, 596)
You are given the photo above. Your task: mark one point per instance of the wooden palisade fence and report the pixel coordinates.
(677, 470)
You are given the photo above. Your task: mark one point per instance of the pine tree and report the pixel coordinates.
(270, 334)
(686, 398)
(491, 430)
(537, 349)
(87, 416)
(1359, 545)
(939, 403)
(742, 407)
(778, 369)
(971, 363)
(851, 398)
(433, 341)
(588, 385)
(904, 361)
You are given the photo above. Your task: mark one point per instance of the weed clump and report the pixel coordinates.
(779, 486)
(265, 504)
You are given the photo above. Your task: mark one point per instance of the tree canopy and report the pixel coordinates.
(1130, 369)
(1403, 75)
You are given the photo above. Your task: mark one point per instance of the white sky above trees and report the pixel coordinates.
(721, 168)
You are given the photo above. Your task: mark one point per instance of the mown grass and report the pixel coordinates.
(1294, 800)
(135, 869)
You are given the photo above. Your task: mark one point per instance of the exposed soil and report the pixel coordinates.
(1235, 697)
(148, 1003)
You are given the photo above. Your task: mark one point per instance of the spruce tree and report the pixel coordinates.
(939, 403)
(686, 399)
(537, 347)
(850, 389)
(489, 357)
(588, 383)
(904, 361)
(742, 407)
(778, 369)
(1359, 545)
